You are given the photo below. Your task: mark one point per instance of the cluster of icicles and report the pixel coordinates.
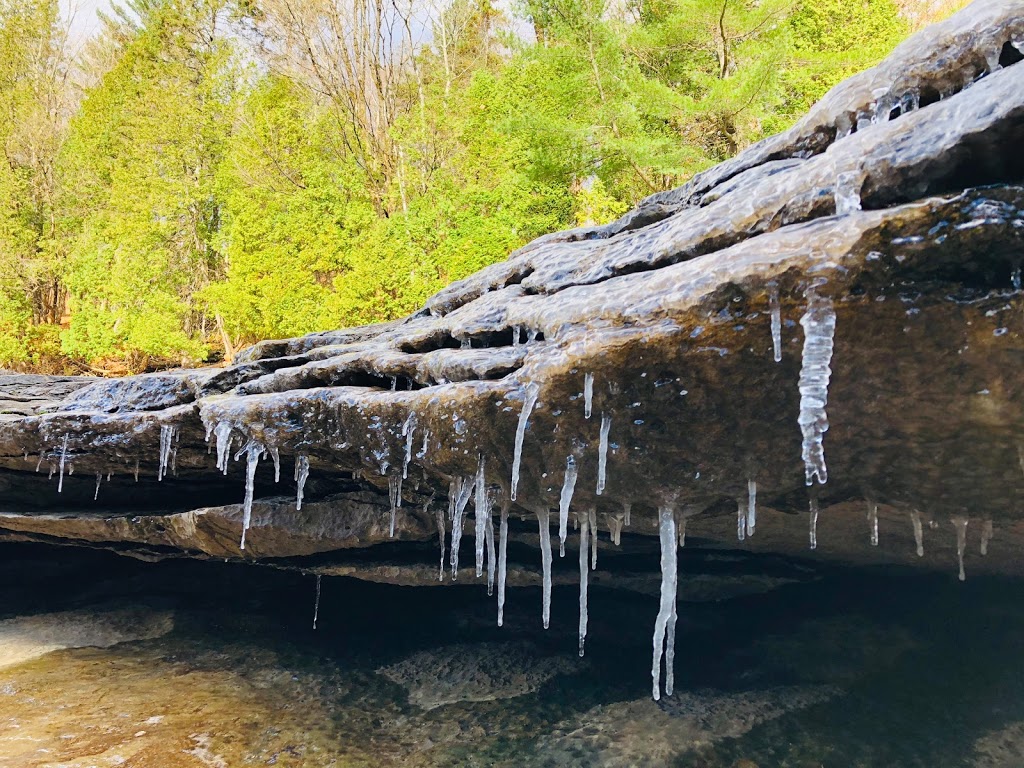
(818, 322)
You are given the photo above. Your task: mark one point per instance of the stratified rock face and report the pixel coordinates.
(831, 319)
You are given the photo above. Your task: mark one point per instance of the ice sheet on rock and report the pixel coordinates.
(664, 624)
(819, 322)
(564, 500)
(847, 192)
(529, 401)
(602, 455)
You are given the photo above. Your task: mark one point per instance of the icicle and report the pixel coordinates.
(592, 519)
(986, 536)
(483, 511)
(627, 508)
(873, 522)
(960, 523)
(751, 506)
(316, 603)
(301, 474)
(502, 560)
(814, 523)
(463, 490)
(819, 322)
(584, 543)
(529, 400)
(395, 496)
(136, 470)
(1015, 277)
(588, 395)
(614, 529)
(426, 441)
(408, 430)
(99, 479)
(568, 486)
(602, 455)
(223, 433)
(776, 313)
(741, 521)
(52, 470)
(543, 523)
(275, 456)
(39, 464)
(254, 451)
(439, 516)
(664, 625)
(166, 441)
(681, 526)
(63, 458)
(516, 333)
(915, 520)
(489, 538)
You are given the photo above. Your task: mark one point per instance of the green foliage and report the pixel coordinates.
(203, 195)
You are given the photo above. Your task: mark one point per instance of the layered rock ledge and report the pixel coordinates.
(832, 319)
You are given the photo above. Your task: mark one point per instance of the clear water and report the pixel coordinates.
(875, 667)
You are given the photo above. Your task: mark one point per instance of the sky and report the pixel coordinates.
(82, 13)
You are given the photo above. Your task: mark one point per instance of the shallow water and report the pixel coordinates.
(834, 667)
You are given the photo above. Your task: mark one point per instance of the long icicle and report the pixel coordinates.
(253, 450)
(464, 491)
(873, 522)
(960, 523)
(316, 604)
(543, 523)
(491, 554)
(592, 517)
(814, 522)
(751, 506)
(666, 611)
(529, 401)
(915, 521)
(776, 313)
(63, 459)
(440, 535)
(584, 575)
(301, 474)
(602, 455)
(482, 505)
(502, 560)
(588, 395)
(564, 500)
(819, 322)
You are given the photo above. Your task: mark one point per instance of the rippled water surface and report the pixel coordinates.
(109, 661)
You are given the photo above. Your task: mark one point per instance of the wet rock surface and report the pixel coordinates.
(679, 358)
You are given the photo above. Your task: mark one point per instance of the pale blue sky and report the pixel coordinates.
(82, 13)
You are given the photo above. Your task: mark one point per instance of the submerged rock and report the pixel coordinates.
(828, 325)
